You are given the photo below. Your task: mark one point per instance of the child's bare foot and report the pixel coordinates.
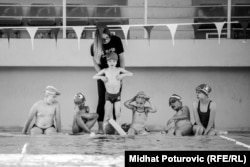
(100, 132)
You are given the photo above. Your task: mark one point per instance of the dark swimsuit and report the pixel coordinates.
(113, 97)
(204, 116)
(43, 129)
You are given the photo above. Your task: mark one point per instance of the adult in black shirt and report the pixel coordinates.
(104, 43)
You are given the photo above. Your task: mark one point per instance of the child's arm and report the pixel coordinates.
(184, 115)
(196, 115)
(152, 107)
(32, 113)
(86, 114)
(211, 117)
(125, 73)
(99, 75)
(170, 120)
(58, 118)
(128, 103)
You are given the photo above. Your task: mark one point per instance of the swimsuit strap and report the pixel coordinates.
(208, 107)
(198, 106)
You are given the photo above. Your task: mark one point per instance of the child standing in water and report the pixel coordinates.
(140, 113)
(112, 78)
(204, 112)
(179, 124)
(83, 120)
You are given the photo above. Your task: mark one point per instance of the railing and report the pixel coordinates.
(64, 15)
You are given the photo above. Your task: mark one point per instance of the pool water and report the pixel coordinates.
(106, 147)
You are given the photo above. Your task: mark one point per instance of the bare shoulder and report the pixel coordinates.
(38, 104)
(103, 71)
(148, 109)
(120, 68)
(185, 108)
(56, 104)
(83, 111)
(213, 105)
(195, 103)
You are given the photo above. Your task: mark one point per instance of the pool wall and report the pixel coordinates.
(160, 69)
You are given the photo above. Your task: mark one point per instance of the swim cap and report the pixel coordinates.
(51, 90)
(112, 56)
(204, 88)
(173, 98)
(79, 99)
(143, 95)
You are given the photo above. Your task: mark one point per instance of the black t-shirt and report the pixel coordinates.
(114, 45)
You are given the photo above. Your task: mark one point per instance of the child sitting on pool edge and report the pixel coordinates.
(140, 113)
(83, 121)
(204, 112)
(179, 124)
(46, 113)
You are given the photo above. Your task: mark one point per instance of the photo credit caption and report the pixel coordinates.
(186, 158)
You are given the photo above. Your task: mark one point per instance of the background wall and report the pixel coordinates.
(159, 69)
(139, 53)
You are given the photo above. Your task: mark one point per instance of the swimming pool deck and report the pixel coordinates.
(83, 150)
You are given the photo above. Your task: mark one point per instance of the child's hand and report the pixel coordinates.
(104, 79)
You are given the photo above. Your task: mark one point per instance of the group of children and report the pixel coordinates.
(204, 115)
(47, 111)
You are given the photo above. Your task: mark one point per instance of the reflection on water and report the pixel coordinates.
(114, 145)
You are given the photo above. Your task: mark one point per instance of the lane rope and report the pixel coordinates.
(236, 141)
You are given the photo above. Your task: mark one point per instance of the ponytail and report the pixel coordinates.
(98, 48)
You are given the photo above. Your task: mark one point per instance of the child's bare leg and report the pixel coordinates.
(108, 112)
(198, 130)
(50, 131)
(36, 131)
(91, 122)
(118, 112)
(184, 130)
(171, 131)
(81, 124)
(212, 132)
(75, 128)
(131, 131)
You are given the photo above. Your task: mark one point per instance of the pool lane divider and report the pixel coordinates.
(6, 134)
(24, 152)
(236, 142)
